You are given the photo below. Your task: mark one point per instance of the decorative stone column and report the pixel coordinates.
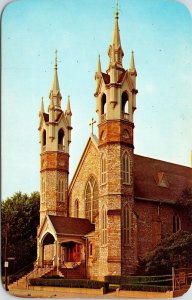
(58, 254)
(40, 254)
(55, 254)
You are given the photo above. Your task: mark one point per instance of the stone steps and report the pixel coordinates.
(23, 281)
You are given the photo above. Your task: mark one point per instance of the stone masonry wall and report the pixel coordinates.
(88, 168)
(155, 222)
(51, 174)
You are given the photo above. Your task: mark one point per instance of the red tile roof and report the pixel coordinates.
(73, 226)
(145, 179)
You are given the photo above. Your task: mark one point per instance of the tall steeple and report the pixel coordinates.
(55, 94)
(115, 51)
(115, 105)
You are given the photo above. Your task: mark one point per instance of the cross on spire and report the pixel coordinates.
(92, 124)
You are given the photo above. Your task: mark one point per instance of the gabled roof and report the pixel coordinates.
(154, 180)
(148, 177)
(71, 226)
(92, 140)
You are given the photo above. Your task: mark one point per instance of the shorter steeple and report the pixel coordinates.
(55, 93)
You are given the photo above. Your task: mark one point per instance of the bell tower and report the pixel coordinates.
(55, 137)
(115, 105)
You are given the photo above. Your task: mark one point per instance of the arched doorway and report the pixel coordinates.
(48, 250)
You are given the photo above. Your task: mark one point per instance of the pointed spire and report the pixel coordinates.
(55, 79)
(42, 108)
(132, 68)
(99, 71)
(55, 94)
(132, 62)
(116, 36)
(115, 51)
(42, 105)
(68, 107)
(99, 65)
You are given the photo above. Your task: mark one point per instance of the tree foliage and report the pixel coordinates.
(21, 213)
(174, 251)
(185, 202)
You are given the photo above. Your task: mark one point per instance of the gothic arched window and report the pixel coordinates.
(91, 199)
(176, 223)
(44, 137)
(124, 105)
(126, 225)
(103, 169)
(103, 104)
(61, 191)
(61, 139)
(76, 209)
(126, 168)
(44, 140)
(103, 226)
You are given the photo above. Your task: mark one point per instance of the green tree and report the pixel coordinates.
(21, 213)
(184, 203)
(174, 251)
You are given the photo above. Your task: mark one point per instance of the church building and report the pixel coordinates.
(118, 205)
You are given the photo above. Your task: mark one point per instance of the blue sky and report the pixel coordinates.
(159, 32)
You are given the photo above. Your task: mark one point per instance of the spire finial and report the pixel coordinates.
(56, 59)
(116, 12)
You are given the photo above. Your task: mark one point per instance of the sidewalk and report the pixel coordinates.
(48, 294)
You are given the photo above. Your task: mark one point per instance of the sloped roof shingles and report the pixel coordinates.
(145, 186)
(73, 226)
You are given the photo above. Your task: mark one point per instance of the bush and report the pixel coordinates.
(173, 251)
(141, 283)
(139, 280)
(148, 288)
(62, 282)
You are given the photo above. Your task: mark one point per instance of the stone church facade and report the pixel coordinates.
(119, 205)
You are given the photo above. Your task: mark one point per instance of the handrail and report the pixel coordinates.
(22, 269)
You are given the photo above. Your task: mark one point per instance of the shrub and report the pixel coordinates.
(62, 282)
(139, 280)
(148, 288)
